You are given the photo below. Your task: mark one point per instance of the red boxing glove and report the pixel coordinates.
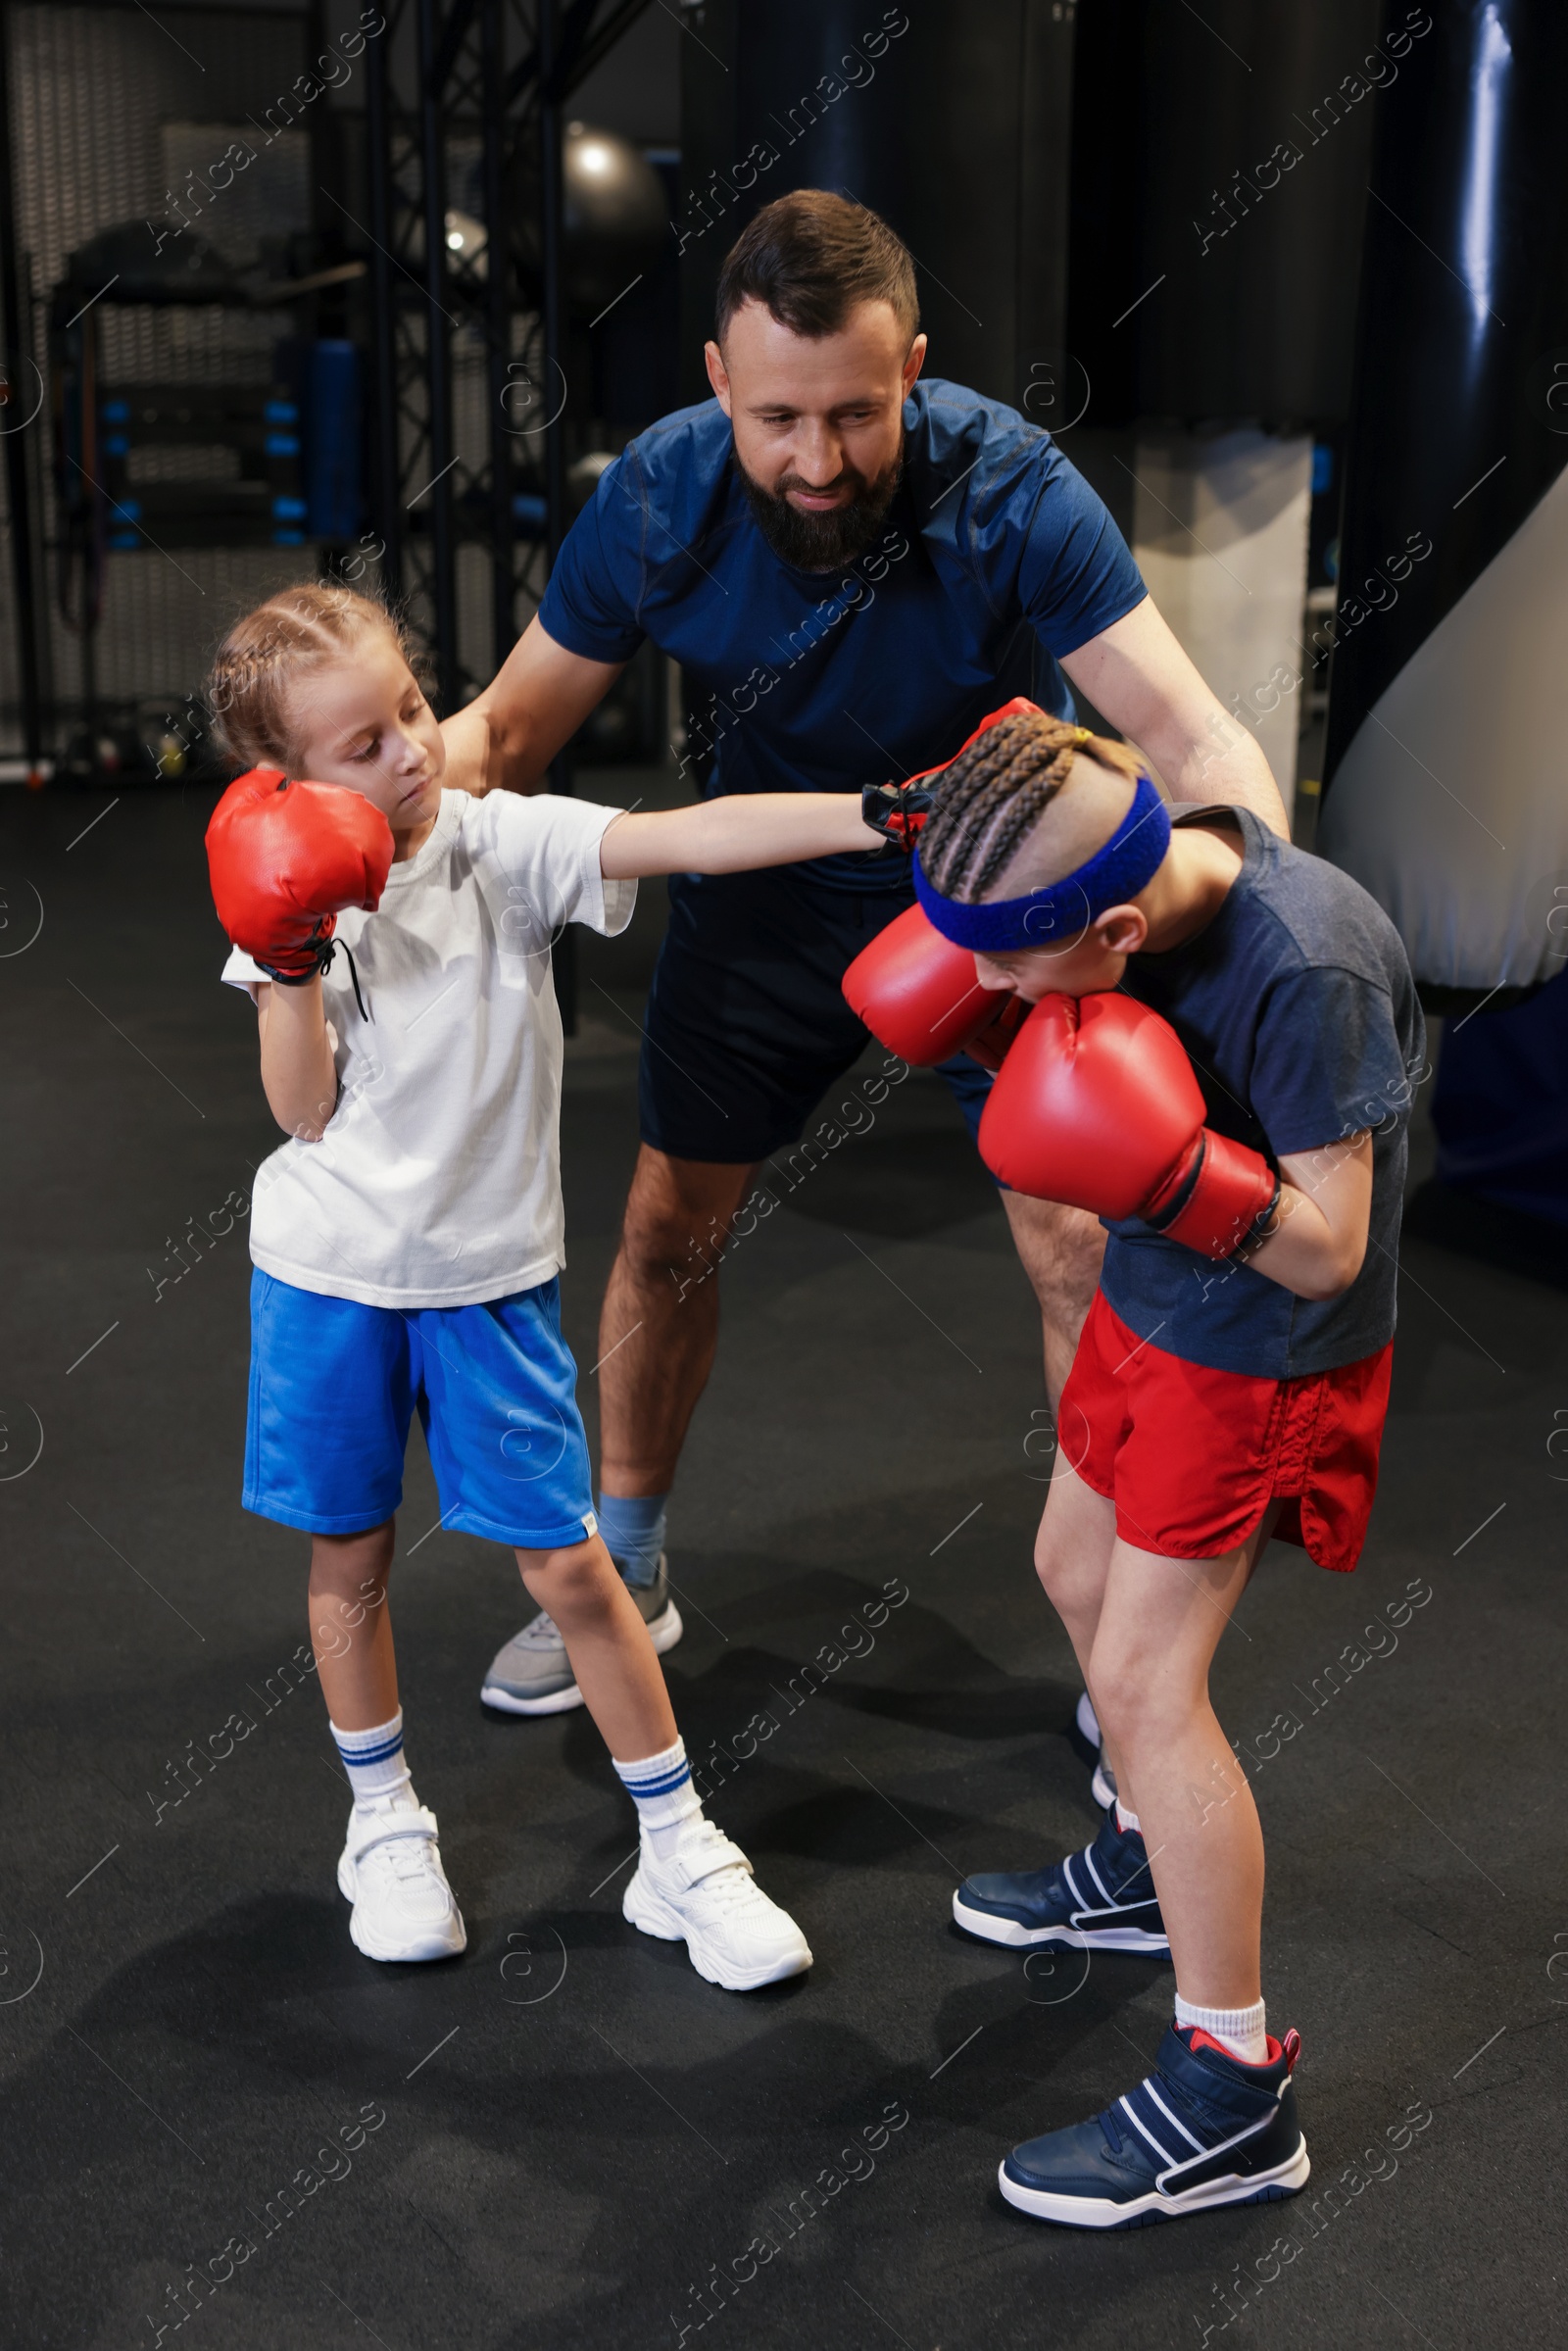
(1097, 1106)
(919, 995)
(285, 859)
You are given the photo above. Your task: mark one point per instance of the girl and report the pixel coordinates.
(408, 1236)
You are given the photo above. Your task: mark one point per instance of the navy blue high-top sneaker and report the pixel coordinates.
(1201, 2129)
(1101, 1899)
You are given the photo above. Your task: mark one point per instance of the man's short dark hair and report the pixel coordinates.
(811, 258)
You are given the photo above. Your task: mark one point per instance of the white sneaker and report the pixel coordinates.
(391, 1871)
(703, 1895)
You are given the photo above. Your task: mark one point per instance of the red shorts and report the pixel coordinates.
(1193, 1457)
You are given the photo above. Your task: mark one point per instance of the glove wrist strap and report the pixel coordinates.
(1218, 1199)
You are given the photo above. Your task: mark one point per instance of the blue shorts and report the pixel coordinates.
(747, 1026)
(334, 1386)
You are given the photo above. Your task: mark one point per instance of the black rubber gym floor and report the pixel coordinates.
(224, 2127)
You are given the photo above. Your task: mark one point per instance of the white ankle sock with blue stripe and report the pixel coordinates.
(661, 1787)
(633, 1529)
(374, 1762)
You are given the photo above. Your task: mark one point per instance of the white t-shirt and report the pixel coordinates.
(437, 1181)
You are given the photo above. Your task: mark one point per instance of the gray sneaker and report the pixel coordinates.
(532, 1673)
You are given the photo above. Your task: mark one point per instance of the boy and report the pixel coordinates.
(1232, 1377)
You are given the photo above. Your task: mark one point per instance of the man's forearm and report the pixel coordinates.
(473, 762)
(1136, 672)
(1229, 766)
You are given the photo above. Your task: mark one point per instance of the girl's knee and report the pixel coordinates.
(576, 1581)
(348, 1559)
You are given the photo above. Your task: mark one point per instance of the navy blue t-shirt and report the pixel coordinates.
(997, 557)
(1300, 1020)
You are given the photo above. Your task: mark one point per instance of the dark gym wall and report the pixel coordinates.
(1218, 187)
(949, 121)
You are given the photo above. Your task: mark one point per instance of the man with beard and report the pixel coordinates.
(852, 568)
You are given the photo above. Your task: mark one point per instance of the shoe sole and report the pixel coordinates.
(653, 1915)
(1147, 2211)
(443, 1948)
(1007, 1931)
(664, 1631)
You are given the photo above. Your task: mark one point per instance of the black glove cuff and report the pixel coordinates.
(1263, 1226)
(897, 812)
(1169, 1209)
(320, 950)
(326, 950)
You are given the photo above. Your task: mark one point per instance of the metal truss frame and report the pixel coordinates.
(499, 70)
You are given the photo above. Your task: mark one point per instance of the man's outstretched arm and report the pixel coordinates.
(1136, 673)
(506, 736)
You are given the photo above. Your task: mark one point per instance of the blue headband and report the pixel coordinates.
(1059, 912)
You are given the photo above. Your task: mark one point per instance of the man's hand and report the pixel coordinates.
(506, 736)
(474, 758)
(1139, 676)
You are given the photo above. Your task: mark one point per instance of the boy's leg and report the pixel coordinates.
(1159, 1623)
(1072, 1559)
(1102, 1898)
(1215, 2120)
(691, 1885)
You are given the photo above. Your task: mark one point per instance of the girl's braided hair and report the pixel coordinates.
(264, 656)
(995, 793)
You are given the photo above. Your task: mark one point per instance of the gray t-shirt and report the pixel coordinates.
(1299, 1015)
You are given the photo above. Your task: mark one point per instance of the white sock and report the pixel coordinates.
(1126, 1820)
(374, 1763)
(1240, 2030)
(661, 1786)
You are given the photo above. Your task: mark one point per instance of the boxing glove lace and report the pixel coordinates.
(285, 859)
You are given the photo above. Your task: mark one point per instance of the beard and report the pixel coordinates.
(824, 542)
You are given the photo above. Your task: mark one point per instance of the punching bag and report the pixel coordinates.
(1447, 764)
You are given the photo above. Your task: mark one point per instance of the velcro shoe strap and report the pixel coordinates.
(415, 1820)
(700, 1858)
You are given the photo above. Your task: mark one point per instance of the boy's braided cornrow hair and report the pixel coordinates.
(267, 653)
(995, 793)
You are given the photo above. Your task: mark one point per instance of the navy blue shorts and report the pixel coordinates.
(746, 1025)
(334, 1386)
